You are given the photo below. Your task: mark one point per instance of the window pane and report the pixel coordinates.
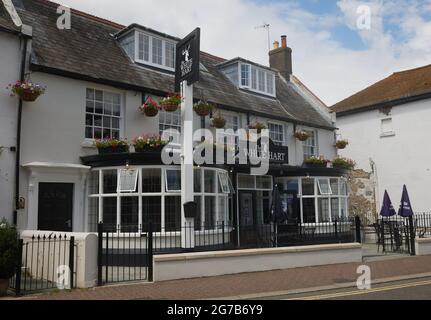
(334, 186)
(129, 214)
(308, 187)
(210, 181)
(89, 106)
(246, 181)
(97, 133)
(309, 210)
(323, 186)
(222, 211)
(344, 209)
(151, 180)
(173, 180)
(109, 214)
(90, 94)
(151, 211)
(157, 51)
(270, 83)
(173, 213)
(144, 47)
(169, 54)
(224, 182)
(292, 185)
(343, 185)
(99, 95)
(197, 179)
(109, 181)
(335, 206)
(93, 214)
(89, 132)
(264, 182)
(93, 182)
(209, 212)
(198, 219)
(323, 209)
(261, 80)
(253, 78)
(245, 75)
(99, 108)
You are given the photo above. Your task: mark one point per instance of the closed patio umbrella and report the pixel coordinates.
(405, 210)
(387, 208)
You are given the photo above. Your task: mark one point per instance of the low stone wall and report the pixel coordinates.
(207, 264)
(52, 254)
(423, 247)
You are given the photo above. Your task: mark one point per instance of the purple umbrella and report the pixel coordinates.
(405, 207)
(387, 209)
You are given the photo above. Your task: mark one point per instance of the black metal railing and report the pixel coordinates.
(46, 262)
(127, 256)
(423, 224)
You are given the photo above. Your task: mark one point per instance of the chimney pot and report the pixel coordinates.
(276, 44)
(284, 41)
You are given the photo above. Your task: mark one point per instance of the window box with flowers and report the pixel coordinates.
(203, 108)
(301, 135)
(26, 91)
(344, 163)
(258, 126)
(218, 121)
(8, 254)
(316, 162)
(171, 103)
(150, 108)
(109, 145)
(149, 143)
(341, 144)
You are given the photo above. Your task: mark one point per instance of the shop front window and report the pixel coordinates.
(321, 199)
(156, 199)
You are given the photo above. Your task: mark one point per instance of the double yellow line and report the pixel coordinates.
(364, 292)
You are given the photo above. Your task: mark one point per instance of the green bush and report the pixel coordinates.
(8, 249)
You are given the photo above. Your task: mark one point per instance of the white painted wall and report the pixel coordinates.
(402, 158)
(9, 73)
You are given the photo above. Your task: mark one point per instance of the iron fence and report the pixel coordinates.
(45, 262)
(127, 256)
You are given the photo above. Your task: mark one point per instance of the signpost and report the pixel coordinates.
(187, 73)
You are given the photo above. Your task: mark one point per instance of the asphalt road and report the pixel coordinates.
(417, 289)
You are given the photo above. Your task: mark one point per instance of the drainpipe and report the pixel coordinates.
(18, 134)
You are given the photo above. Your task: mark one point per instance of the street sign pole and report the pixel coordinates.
(187, 179)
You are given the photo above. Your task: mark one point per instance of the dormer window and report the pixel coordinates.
(155, 51)
(251, 77)
(150, 49)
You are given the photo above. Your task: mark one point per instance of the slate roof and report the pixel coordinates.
(6, 22)
(400, 87)
(90, 51)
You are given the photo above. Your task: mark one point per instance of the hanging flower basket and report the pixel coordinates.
(342, 144)
(26, 91)
(301, 135)
(203, 108)
(218, 122)
(171, 103)
(150, 108)
(149, 143)
(258, 126)
(112, 146)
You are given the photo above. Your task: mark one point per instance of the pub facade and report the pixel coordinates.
(97, 79)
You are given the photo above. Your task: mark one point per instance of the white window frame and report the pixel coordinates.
(305, 144)
(89, 142)
(320, 186)
(167, 184)
(150, 53)
(224, 182)
(135, 173)
(281, 142)
(249, 86)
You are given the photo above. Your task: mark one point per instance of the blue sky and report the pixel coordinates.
(330, 54)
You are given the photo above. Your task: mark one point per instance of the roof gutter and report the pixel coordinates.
(391, 103)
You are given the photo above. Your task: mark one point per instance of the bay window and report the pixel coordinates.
(156, 198)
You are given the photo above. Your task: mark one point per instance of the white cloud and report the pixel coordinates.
(330, 70)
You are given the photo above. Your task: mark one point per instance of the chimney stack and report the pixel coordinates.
(280, 58)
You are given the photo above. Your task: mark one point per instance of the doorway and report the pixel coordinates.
(55, 208)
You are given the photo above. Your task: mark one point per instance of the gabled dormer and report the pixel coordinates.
(148, 47)
(250, 76)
